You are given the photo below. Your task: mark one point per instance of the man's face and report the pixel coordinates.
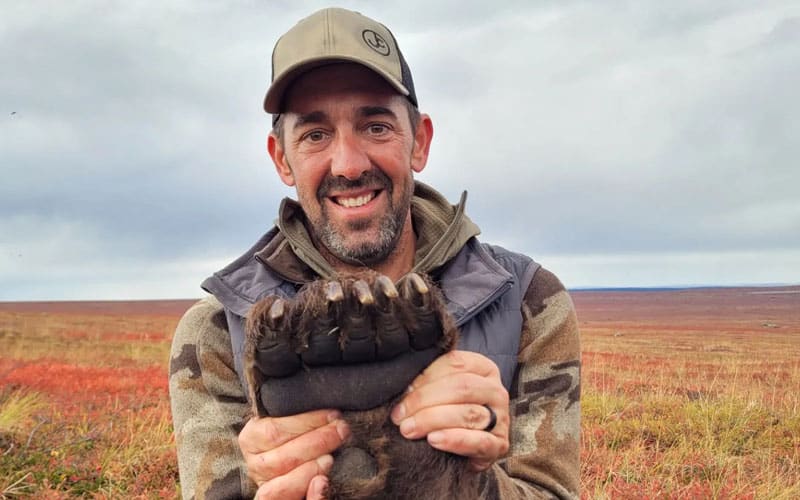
(349, 149)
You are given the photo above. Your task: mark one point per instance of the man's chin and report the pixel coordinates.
(363, 241)
(364, 253)
(362, 248)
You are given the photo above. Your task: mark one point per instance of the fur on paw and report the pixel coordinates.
(351, 343)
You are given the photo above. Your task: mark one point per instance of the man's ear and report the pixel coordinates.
(422, 143)
(278, 155)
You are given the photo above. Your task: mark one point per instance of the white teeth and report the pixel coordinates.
(355, 202)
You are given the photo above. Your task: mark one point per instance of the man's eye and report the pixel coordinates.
(377, 129)
(314, 136)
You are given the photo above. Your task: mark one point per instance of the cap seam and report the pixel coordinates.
(328, 35)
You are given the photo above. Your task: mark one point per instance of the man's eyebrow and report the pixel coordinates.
(313, 117)
(363, 112)
(367, 111)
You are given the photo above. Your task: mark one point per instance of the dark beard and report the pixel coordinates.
(390, 225)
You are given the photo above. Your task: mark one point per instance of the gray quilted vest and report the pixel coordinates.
(483, 285)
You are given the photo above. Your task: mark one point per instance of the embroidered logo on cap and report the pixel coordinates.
(375, 42)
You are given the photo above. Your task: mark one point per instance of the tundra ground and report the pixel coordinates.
(686, 394)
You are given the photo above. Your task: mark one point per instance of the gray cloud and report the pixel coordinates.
(134, 163)
(643, 142)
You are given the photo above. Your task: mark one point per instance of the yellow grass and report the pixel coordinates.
(691, 414)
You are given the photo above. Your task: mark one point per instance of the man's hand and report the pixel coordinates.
(446, 404)
(289, 457)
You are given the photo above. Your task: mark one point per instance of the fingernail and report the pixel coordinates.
(325, 462)
(333, 415)
(343, 429)
(318, 486)
(398, 413)
(407, 427)
(435, 438)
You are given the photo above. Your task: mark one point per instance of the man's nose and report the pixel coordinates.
(349, 158)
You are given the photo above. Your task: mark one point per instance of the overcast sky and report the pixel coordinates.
(618, 143)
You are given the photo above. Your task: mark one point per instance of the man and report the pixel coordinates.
(348, 136)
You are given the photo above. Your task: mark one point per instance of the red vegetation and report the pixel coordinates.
(83, 384)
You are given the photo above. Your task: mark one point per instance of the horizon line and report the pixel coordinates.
(589, 288)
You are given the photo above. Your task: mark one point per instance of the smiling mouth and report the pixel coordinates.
(355, 201)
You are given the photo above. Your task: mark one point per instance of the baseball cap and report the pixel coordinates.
(336, 35)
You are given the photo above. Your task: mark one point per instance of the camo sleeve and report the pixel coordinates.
(544, 458)
(208, 406)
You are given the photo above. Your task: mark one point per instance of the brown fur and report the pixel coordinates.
(406, 469)
(376, 462)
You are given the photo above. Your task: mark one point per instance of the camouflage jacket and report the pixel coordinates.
(209, 405)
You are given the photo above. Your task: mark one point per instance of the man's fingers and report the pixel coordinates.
(452, 388)
(457, 362)
(447, 403)
(480, 446)
(463, 416)
(263, 434)
(298, 483)
(295, 453)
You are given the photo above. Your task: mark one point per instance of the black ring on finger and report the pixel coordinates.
(492, 419)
